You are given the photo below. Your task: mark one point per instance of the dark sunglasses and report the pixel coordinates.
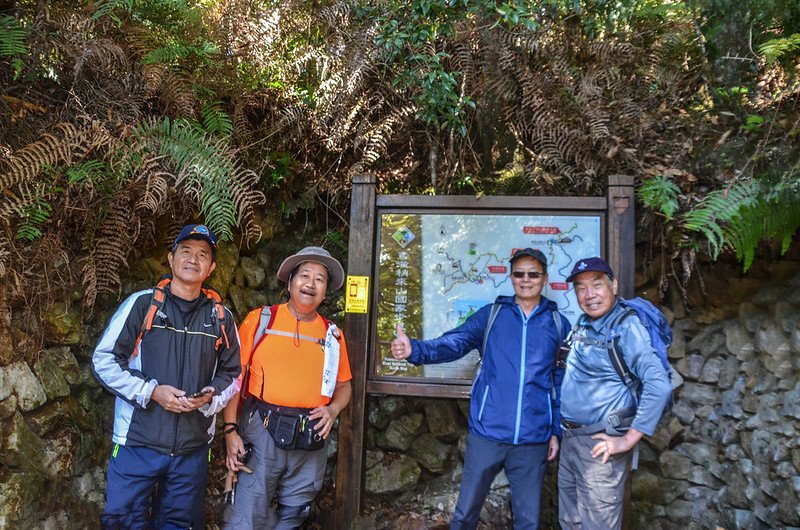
(533, 275)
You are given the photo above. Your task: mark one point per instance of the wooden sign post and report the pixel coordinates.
(428, 262)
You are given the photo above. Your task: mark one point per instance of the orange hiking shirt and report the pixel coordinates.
(289, 370)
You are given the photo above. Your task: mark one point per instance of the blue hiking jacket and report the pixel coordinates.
(511, 400)
(594, 389)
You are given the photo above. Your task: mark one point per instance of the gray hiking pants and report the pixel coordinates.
(294, 477)
(590, 493)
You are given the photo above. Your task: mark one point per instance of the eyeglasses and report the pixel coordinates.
(533, 275)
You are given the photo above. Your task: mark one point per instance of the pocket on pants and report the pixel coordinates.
(608, 480)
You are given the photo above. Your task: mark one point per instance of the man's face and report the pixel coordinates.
(192, 261)
(596, 293)
(527, 288)
(308, 285)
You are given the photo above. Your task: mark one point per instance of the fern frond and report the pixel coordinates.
(86, 172)
(13, 41)
(153, 198)
(746, 214)
(377, 140)
(215, 120)
(659, 194)
(206, 171)
(49, 151)
(177, 95)
(110, 8)
(773, 215)
(173, 52)
(103, 56)
(108, 256)
(30, 205)
(775, 49)
(33, 217)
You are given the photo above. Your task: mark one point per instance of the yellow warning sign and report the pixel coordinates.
(356, 294)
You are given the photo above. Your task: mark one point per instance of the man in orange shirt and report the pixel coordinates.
(295, 383)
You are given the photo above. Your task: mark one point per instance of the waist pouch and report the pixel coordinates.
(290, 428)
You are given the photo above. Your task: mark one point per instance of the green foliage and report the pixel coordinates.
(112, 10)
(204, 167)
(409, 35)
(747, 213)
(439, 101)
(86, 172)
(214, 120)
(281, 169)
(781, 49)
(13, 42)
(774, 215)
(175, 51)
(718, 208)
(753, 123)
(660, 194)
(601, 18)
(32, 216)
(733, 28)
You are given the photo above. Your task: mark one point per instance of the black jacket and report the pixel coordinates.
(175, 351)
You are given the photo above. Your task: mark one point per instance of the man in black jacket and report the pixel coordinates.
(171, 356)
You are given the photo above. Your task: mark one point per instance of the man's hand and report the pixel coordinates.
(552, 449)
(401, 346)
(197, 402)
(326, 416)
(614, 445)
(234, 448)
(171, 399)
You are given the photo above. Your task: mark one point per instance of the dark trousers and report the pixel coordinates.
(524, 466)
(133, 472)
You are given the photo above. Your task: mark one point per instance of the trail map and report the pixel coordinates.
(459, 263)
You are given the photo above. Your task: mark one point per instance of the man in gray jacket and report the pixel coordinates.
(601, 420)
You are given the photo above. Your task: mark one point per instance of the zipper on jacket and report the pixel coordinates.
(521, 373)
(521, 389)
(483, 401)
(181, 358)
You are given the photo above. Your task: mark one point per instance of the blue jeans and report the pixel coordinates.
(524, 466)
(132, 474)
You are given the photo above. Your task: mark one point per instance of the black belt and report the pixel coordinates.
(280, 409)
(571, 424)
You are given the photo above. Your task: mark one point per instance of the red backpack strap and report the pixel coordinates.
(219, 317)
(156, 303)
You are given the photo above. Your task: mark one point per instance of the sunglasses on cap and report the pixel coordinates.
(533, 275)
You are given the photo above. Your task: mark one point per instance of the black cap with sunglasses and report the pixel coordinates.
(538, 255)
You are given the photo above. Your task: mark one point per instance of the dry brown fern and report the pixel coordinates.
(110, 248)
(51, 150)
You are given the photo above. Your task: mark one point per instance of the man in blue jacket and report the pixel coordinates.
(514, 419)
(171, 357)
(602, 422)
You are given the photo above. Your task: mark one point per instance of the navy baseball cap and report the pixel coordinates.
(594, 264)
(538, 255)
(200, 232)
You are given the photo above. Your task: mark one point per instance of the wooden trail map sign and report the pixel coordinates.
(431, 261)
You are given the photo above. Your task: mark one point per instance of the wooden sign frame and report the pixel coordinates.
(618, 246)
